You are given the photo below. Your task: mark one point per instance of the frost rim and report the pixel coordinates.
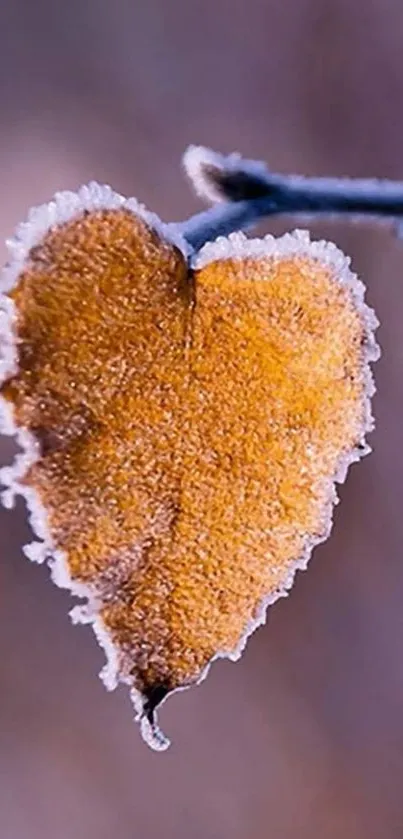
(65, 207)
(197, 159)
(298, 243)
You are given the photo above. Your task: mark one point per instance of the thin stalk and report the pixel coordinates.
(246, 191)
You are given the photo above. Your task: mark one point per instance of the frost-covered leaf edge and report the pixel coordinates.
(64, 207)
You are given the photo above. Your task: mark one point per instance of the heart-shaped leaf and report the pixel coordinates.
(183, 426)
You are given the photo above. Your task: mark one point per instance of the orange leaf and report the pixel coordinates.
(183, 428)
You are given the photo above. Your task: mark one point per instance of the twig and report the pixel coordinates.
(245, 191)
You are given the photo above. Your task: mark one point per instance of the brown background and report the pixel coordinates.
(304, 737)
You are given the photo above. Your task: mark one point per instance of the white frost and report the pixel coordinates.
(237, 246)
(197, 159)
(64, 207)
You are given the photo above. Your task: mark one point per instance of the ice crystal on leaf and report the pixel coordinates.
(183, 420)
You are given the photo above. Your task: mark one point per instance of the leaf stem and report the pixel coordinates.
(245, 191)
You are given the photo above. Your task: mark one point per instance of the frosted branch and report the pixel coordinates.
(245, 191)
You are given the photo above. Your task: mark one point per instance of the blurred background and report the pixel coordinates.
(304, 736)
